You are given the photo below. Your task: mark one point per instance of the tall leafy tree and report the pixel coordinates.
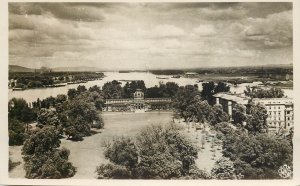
(208, 91)
(257, 156)
(256, 92)
(123, 151)
(157, 152)
(183, 98)
(223, 169)
(130, 87)
(48, 117)
(239, 114)
(112, 90)
(80, 89)
(172, 89)
(72, 93)
(221, 87)
(210, 88)
(42, 157)
(16, 132)
(256, 121)
(19, 109)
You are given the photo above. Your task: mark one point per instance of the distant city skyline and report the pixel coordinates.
(140, 36)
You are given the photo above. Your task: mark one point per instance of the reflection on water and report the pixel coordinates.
(150, 80)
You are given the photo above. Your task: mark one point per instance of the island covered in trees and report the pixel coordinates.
(47, 79)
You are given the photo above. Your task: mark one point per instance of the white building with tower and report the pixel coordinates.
(137, 104)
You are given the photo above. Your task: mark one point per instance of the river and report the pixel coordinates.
(150, 80)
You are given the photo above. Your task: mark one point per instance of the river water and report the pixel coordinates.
(150, 80)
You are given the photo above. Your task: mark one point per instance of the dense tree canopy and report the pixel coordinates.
(72, 93)
(19, 109)
(223, 169)
(130, 87)
(81, 89)
(210, 88)
(74, 115)
(257, 156)
(38, 80)
(256, 118)
(95, 88)
(239, 114)
(112, 90)
(183, 99)
(158, 152)
(19, 113)
(255, 92)
(200, 111)
(81, 114)
(16, 131)
(48, 117)
(42, 157)
(123, 151)
(163, 90)
(40, 141)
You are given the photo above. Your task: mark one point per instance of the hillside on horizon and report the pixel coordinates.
(17, 68)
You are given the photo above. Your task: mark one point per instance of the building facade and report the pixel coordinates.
(137, 104)
(229, 100)
(280, 113)
(280, 110)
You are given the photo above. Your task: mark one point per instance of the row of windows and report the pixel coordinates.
(275, 112)
(279, 112)
(274, 107)
(279, 124)
(278, 118)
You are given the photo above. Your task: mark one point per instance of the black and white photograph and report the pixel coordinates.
(150, 91)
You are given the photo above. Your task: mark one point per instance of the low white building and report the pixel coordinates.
(138, 103)
(229, 100)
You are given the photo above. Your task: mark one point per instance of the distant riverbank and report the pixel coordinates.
(150, 80)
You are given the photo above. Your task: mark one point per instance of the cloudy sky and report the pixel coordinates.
(149, 35)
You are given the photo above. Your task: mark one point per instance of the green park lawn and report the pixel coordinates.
(87, 154)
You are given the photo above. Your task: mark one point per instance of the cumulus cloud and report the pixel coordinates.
(136, 35)
(58, 10)
(25, 8)
(20, 22)
(166, 31)
(276, 30)
(222, 14)
(48, 27)
(76, 13)
(205, 30)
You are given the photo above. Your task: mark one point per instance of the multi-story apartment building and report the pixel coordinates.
(280, 110)
(280, 113)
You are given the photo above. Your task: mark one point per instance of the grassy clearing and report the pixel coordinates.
(87, 154)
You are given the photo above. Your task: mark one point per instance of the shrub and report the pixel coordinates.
(106, 171)
(42, 158)
(51, 165)
(224, 169)
(123, 151)
(16, 132)
(257, 156)
(159, 153)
